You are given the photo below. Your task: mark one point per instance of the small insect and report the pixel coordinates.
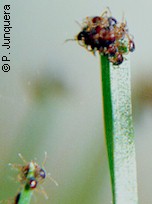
(107, 36)
(31, 183)
(39, 173)
(31, 175)
(131, 46)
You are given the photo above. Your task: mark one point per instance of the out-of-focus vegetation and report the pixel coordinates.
(77, 164)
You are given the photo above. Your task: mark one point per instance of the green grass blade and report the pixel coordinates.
(26, 193)
(119, 130)
(25, 196)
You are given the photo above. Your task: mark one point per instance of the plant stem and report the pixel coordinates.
(26, 193)
(25, 196)
(119, 130)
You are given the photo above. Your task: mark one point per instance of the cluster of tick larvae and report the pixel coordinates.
(38, 175)
(30, 182)
(105, 35)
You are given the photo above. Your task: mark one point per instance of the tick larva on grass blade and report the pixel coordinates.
(30, 175)
(27, 169)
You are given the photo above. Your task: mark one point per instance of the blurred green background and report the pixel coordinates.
(50, 100)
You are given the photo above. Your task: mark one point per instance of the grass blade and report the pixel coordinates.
(25, 196)
(26, 193)
(119, 130)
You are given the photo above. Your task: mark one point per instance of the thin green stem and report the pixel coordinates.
(107, 102)
(119, 130)
(26, 193)
(25, 196)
